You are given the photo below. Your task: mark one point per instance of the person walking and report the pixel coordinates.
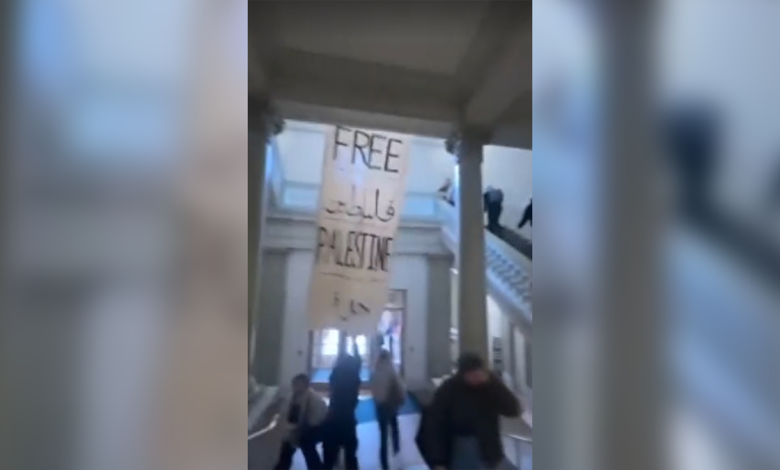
(528, 216)
(306, 410)
(464, 428)
(389, 395)
(446, 192)
(339, 430)
(494, 204)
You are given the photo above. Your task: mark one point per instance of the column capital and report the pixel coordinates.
(462, 143)
(264, 117)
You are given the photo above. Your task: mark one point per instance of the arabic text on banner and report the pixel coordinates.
(362, 194)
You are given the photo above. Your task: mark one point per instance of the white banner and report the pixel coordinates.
(363, 189)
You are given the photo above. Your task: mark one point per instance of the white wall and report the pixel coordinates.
(511, 170)
(407, 272)
(301, 148)
(734, 74)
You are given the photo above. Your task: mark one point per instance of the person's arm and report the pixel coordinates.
(505, 400)
(436, 439)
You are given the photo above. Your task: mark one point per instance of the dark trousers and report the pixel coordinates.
(494, 214)
(338, 435)
(308, 446)
(387, 416)
(527, 218)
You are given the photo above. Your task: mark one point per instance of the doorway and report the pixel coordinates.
(390, 336)
(325, 345)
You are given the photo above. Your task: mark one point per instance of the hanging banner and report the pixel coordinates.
(362, 194)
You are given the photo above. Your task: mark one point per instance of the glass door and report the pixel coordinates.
(324, 348)
(390, 330)
(358, 346)
(325, 345)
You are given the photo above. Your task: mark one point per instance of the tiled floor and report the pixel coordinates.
(263, 451)
(368, 450)
(409, 458)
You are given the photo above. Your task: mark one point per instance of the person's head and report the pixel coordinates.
(472, 369)
(383, 358)
(300, 383)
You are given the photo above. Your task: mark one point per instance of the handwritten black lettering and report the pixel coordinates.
(389, 212)
(353, 249)
(370, 147)
(358, 308)
(340, 143)
(355, 208)
(336, 207)
(373, 150)
(322, 242)
(389, 154)
(362, 147)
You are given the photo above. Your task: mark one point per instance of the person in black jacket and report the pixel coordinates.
(340, 428)
(493, 199)
(528, 216)
(464, 428)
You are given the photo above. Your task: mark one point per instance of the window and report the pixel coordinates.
(330, 342)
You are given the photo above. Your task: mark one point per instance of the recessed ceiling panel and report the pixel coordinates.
(425, 36)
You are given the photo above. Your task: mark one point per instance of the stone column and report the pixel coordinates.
(472, 310)
(264, 123)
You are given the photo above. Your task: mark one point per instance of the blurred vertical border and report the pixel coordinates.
(657, 150)
(124, 234)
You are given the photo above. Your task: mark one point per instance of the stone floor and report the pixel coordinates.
(368, 450)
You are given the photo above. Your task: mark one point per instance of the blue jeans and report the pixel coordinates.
(466, 456)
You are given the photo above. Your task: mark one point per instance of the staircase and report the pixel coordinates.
(508, 268)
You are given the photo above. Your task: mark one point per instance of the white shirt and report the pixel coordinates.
(383, 377)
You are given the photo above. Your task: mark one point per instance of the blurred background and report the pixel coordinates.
(125, 235)
(657, 177)
(658, 154)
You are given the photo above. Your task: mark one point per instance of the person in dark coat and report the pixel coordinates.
(528, 216)
(463, 427)
(493, 199)
(340, 428)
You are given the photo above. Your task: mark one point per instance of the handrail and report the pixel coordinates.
(520, 255)
(508, 270)
(266, 429)
(517, 437)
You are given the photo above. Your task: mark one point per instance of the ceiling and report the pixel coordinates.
(420, 67)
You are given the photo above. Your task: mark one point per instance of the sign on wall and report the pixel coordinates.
(362, 194)
(498, 355)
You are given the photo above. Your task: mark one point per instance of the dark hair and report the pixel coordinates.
(301, 378)
(468, 362)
